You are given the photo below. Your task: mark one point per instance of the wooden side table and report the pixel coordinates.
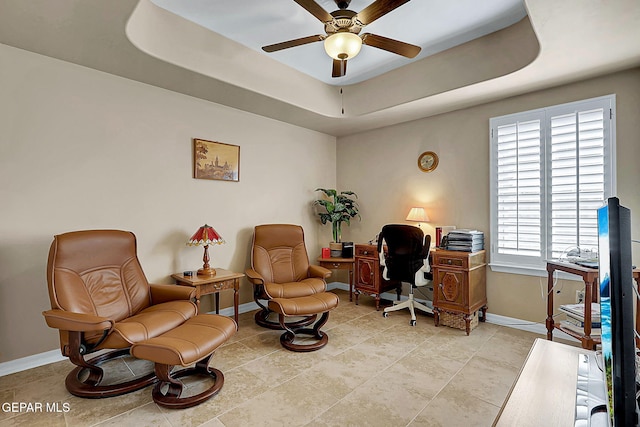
(340, 264)
(590, 278)
(223, 280)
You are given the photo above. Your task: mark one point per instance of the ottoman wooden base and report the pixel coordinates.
(304, 306)
(192, 342)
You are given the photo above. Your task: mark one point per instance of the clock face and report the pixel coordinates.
(428, 161)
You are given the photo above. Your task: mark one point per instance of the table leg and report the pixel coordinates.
(350, 284)
(549, 322)
(236, 286)
(217, 302)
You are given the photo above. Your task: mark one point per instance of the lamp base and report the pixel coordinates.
(210, 272)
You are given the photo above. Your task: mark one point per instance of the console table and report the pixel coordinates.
(205, 285)
(544, 394)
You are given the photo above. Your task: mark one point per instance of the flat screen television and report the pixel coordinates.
(616, 311)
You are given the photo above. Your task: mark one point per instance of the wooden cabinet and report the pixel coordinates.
(369, 274)
(459, 284)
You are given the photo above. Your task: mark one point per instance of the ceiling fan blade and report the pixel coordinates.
(391, 45)
(293, 43)
(315, 9)
(339, 68)
(377, 9)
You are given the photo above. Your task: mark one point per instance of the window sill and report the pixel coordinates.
(531, 271)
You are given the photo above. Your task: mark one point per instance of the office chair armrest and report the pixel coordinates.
(166, 293)
(254, 277)
(70, 321)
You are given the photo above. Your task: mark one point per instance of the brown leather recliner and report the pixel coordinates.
(280, 269)
(100, 299)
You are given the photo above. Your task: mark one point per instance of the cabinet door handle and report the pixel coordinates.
(449, 262)
(365, 253)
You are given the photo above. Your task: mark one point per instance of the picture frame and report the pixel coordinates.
(216, 160)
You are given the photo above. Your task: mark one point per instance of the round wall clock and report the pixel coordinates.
(428, 161)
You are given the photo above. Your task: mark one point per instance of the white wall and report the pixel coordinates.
(82, 149)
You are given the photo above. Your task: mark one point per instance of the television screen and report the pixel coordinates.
(616, 311)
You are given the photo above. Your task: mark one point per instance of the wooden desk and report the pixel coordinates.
(369, 278)
(590, 277)
(544, 394)
(340, 264)
(224, 279)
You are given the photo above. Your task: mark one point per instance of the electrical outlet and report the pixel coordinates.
(579, 297)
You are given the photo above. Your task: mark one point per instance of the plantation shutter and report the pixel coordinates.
(577, 178)
(551, 169)
(519, 187)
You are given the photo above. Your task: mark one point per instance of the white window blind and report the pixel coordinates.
(550, 171)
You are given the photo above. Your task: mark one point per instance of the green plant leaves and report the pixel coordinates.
(341, 209)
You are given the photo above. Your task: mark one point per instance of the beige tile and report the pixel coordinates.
(35, 419)
(87, 412)
(486, 379)
(455, 408)
(341, 374)
(145, 416)
(293, 403)
(239, 386)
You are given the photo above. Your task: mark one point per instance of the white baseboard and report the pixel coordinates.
(29, 362)
(52, 356)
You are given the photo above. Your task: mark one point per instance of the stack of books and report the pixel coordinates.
(575, 318)
(465, 240)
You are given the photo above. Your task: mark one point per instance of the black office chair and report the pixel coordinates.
(407, 260)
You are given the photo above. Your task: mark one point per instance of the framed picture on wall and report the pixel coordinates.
(216, 160)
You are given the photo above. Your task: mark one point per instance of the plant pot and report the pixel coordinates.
(336, 249)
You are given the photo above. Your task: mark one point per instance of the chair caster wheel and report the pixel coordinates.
(412, 323)
(385, 314)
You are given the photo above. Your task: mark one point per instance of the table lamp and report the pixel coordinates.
(418, 215)
(206, 236)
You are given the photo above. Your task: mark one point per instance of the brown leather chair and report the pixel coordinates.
(100, 299)
(280, 269)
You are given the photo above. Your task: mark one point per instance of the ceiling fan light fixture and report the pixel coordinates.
(343, 45)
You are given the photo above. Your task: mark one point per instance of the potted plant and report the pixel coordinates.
(339, 208)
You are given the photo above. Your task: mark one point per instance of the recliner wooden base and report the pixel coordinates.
(262, 319)
(90, 387)
(171, 398)
(304, 306)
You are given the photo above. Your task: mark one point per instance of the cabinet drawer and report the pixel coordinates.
(210, 288)
(452, 261)
(368, 251)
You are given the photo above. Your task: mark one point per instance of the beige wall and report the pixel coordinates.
(381, 167)
(82, 149)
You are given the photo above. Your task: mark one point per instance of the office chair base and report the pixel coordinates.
(412, 305)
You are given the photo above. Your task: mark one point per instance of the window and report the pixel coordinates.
(550, 170)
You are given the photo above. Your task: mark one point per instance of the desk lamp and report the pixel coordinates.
(206, 236)
(418, 215)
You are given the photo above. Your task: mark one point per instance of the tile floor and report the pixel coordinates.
(375, 371)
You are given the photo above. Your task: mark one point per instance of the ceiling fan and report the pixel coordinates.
(343, 40)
